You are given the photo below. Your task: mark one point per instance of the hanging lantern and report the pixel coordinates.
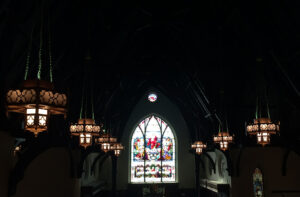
(263, 128)
(198, 146)
(85, 139)
(117, 148)
(37, 100)
(106, 142)
(223, 138)
(86, 128)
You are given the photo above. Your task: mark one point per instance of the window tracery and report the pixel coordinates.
(153, 152)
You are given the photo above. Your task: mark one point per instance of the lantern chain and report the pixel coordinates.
(28, 55)
(50, 53)
(41, 42)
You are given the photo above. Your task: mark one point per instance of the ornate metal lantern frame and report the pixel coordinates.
(37, 100)
(198, 146)
(117, 148)
(106, 142)
(223, 138)
(86, 128)
(263, 128)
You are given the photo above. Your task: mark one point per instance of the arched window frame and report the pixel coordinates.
(258, 182)
(175, 149)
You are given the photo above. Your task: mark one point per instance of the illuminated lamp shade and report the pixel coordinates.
(87, 125)
(198, 146)
(106, 142)
(117, 148)
(86, 128)
(263, 128)
(223, 138)
(105, 147)
(85, 139)
(37, 100)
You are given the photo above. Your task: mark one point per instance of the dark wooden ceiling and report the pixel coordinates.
(201, 55)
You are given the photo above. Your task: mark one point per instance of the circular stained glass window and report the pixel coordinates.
(152, 97)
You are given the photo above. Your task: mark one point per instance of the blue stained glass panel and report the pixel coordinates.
(258, 183)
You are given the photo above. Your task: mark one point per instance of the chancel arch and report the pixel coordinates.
(169, 113)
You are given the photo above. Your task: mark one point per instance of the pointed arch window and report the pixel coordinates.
(153, 158)
(258, 183)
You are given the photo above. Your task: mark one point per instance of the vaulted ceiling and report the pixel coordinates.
(211, 58)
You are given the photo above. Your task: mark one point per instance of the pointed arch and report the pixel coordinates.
(153, 152)
(258, 183)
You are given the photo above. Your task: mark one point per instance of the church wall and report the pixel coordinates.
(48, 175)
(168, 111)
(105, 173)
(6, 161)
(270, 161)
(221, 175)
(102, 172)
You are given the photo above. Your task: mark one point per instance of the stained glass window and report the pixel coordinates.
(258, 183)
(153, 152)
(152, 97)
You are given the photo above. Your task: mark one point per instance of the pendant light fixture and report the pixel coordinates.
(117, 148)
(106, 141)
(262, 126)
(223, 138)
(198, 146)
(37, 98)
(86, 127)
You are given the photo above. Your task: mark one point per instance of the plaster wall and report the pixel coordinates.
(221, 175)
(6, 161)
(102, 171)
(270, 161)
(48, 175)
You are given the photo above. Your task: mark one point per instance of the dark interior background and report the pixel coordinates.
(213, 59)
